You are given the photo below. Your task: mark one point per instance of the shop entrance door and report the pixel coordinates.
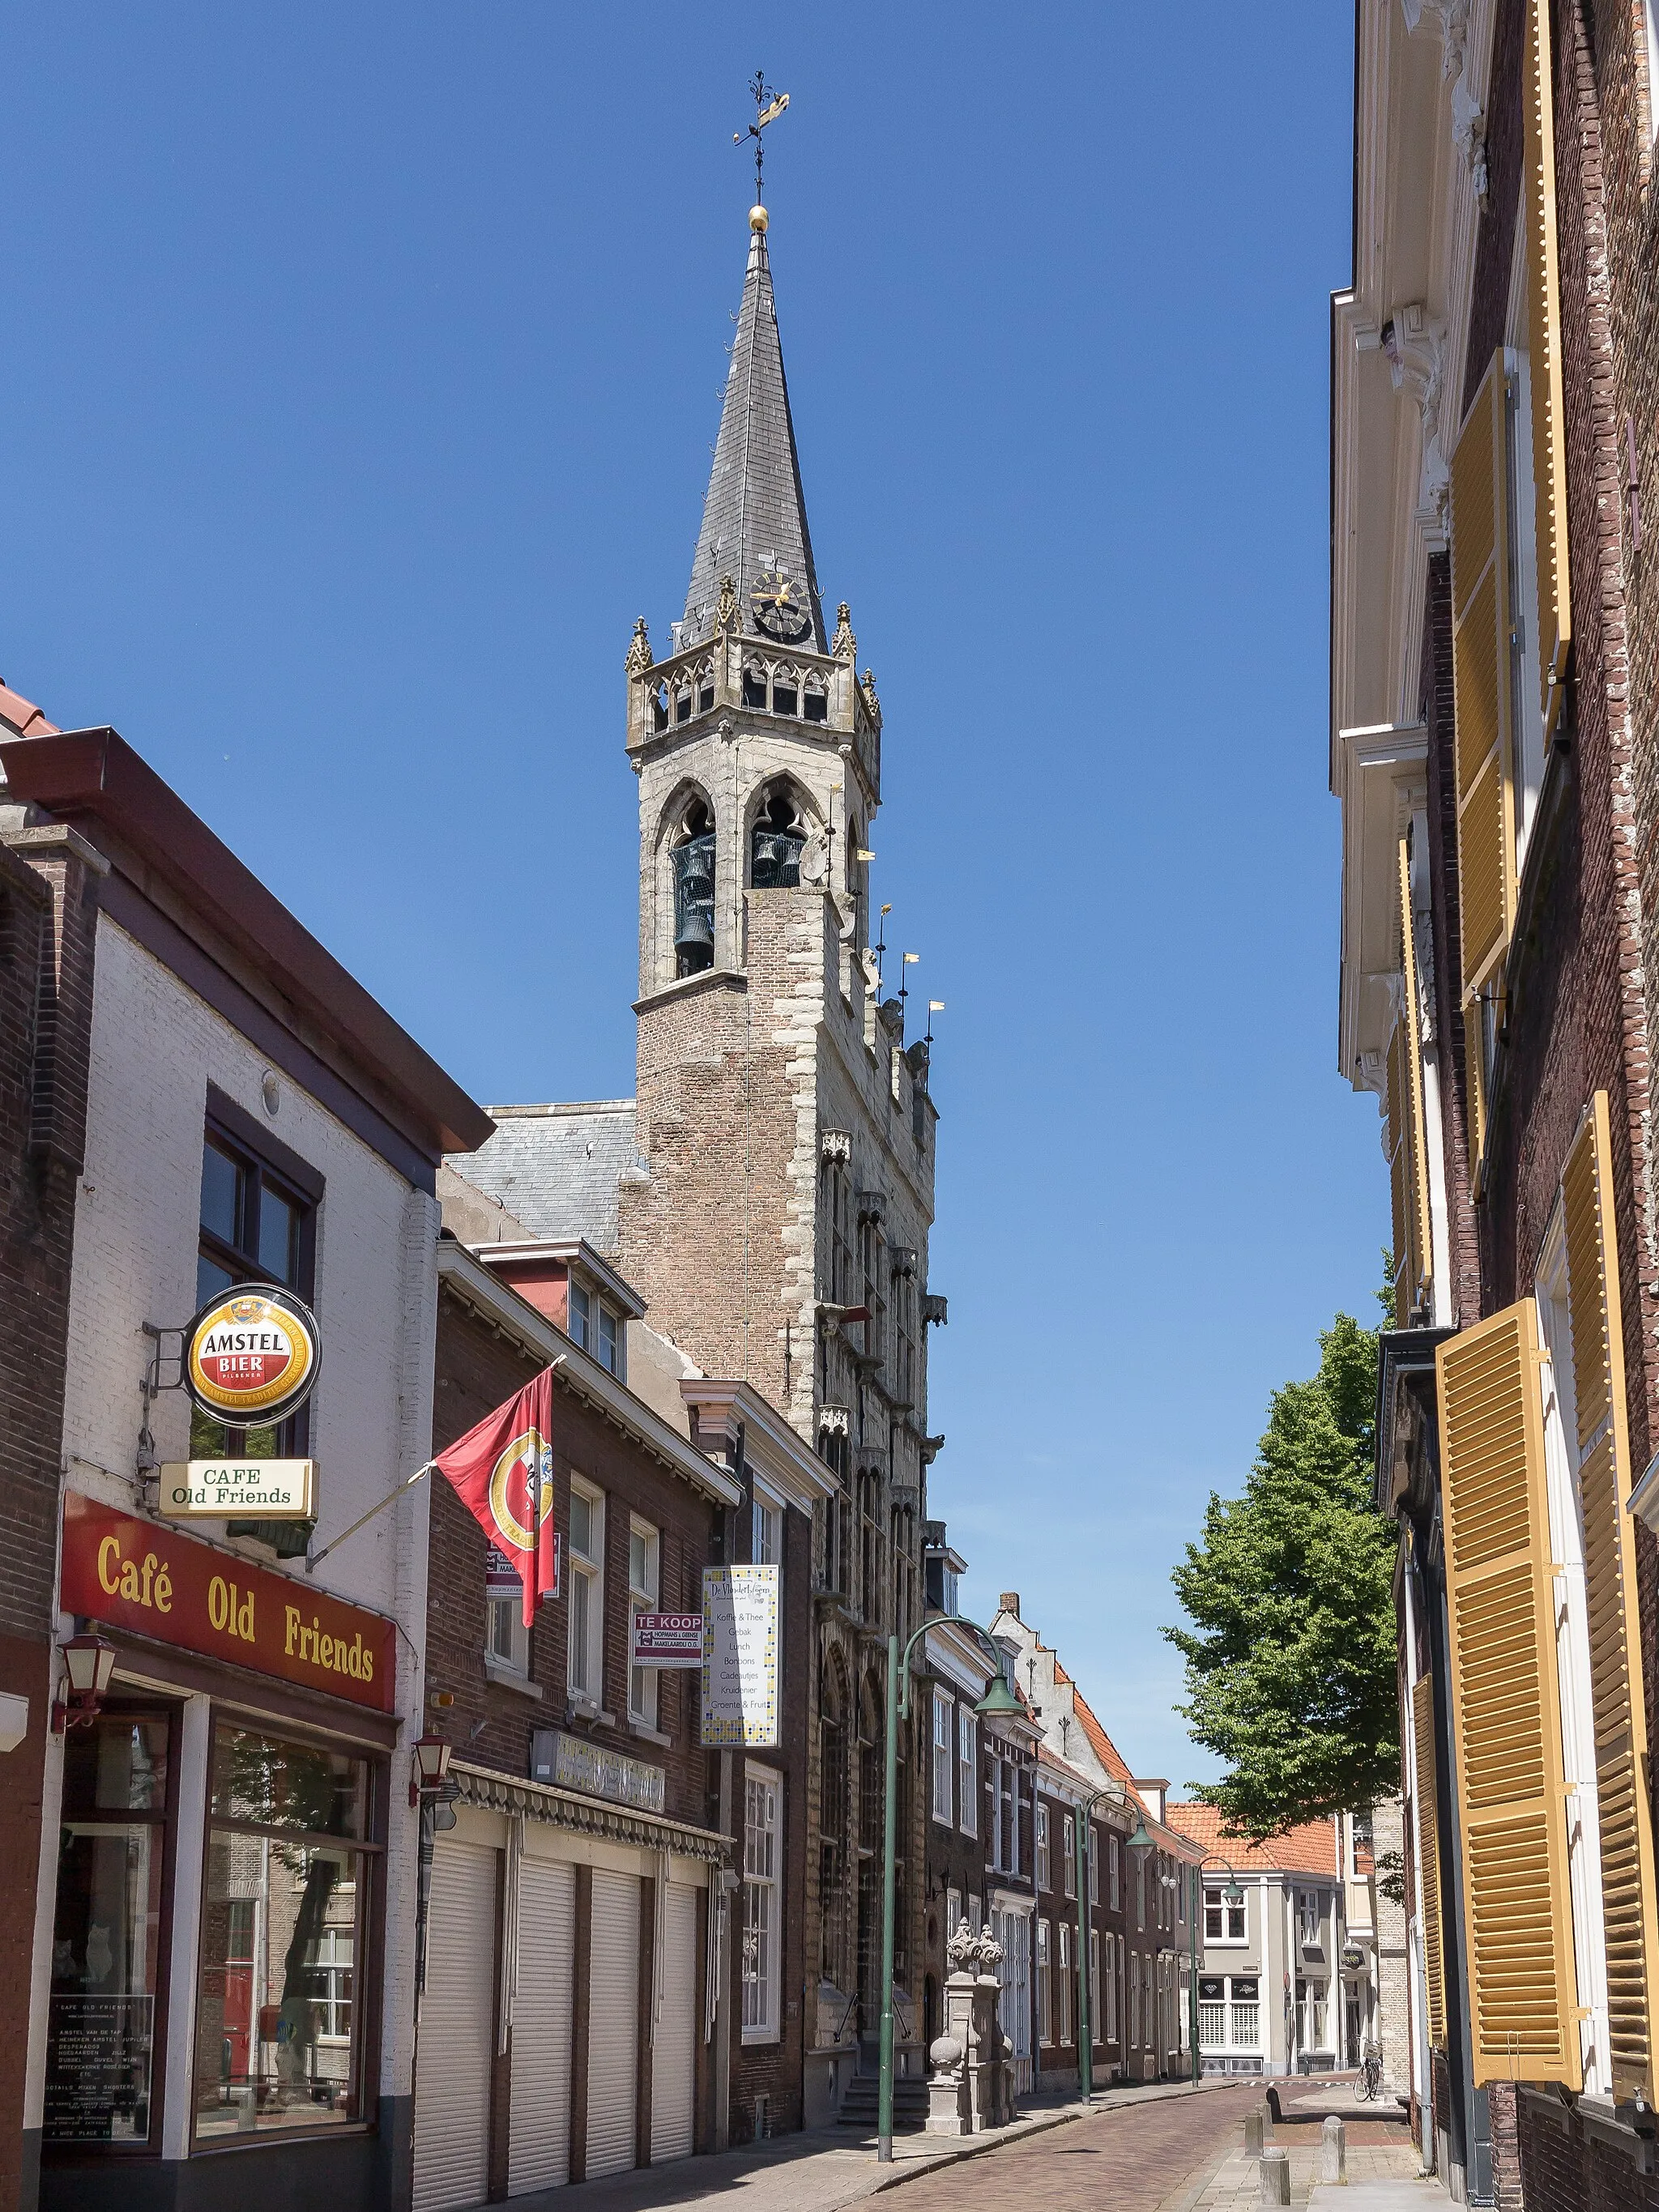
(457, 2045)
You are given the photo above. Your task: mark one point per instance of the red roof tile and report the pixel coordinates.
(1309, 1848)
(24, 716)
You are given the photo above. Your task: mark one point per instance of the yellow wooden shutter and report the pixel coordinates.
(1400, 1176)
(1480, 679)
(1506, 1702)
(1617, 1692)
(1428, 1849)
(1549, 467)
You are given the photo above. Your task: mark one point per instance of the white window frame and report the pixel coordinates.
(644, 1595)
(1215, 1904)
(579, 1315)
(945, 1760)
(953, 1913)
(1068, 1852)
(610, 1335)
(1092, 1855)
(1096, 2026)
(761, 1955)
(585, 1663)
(1066, 2034)
(1109, 2025)
(506, 1640)
(1045, 1991)
(1114, 1871)
(1309, 1919)
(765, 1533)
(967, 1773)
(1044, 1869)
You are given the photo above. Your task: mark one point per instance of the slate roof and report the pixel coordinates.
(1310, 1848)
(755, 516)
(555, 1169)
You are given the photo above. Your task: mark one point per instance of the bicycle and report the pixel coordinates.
(1370, 2085)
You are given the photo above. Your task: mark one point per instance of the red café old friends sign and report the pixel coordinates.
(160, 1583)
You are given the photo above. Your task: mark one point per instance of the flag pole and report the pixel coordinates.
(314, 1558)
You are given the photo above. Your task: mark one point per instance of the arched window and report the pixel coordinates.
(691, 851)
(777, 841)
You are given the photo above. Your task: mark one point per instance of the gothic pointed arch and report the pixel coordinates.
(787, 838)
(686, 868)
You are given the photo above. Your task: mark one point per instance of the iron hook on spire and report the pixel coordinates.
(768, 106)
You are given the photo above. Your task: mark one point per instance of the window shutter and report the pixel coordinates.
(1400, 1177)
(1506, 1704)
(1549, 466)
(1428, 1846)
(1480, 679)
(1412, 1251)
(1617, 1692)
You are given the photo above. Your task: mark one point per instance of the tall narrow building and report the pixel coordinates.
(774, 1205)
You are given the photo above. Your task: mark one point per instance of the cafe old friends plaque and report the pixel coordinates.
(217, 1490)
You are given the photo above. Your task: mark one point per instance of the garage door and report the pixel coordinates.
(538, 2154)
(674, 2054)
(457, 2045)
(613, 2013)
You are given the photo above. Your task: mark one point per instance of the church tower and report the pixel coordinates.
(778, 1215)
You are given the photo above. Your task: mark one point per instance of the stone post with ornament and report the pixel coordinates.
(950, 2084)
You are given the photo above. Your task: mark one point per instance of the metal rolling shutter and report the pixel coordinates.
(538, 2152)
(613, 2024)
(674, 2053)
(457, 2031)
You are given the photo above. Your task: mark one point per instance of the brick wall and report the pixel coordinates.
(48, 916)
(1545, 2161)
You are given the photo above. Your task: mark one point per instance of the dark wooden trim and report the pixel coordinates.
(261, 1696)
(258, 1138)
(644, 2026)
(702, 2049)
(95, 775)
(581, 1975)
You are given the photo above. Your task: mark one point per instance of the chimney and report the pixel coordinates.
(1155, 1792)
(1009, 1602)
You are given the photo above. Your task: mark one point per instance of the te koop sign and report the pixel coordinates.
(158, 1583)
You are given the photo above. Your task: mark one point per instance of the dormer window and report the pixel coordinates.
(779, 837)
(693, 856)
(597, 1325)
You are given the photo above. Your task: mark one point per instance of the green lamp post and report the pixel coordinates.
(997, 1702)
(1086, 2039)
(1235, 1895)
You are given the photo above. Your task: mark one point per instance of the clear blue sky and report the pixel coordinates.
(361, 369)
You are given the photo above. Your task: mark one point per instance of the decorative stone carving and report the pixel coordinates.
(1414, 344)
(962, 1949)
(844, 645)
(835, 1143)
(935, 1308)
(1468, 123)
(931, 1449)
(725, 610)
(903, 1257)
(867, 685)
(872, 1205)
(815, 857)
(834, 1421)
(639, 650)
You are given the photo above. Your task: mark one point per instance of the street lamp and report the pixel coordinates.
(88, 1663)
(998, 1702)
(1235, 1895)
(1085, 2047)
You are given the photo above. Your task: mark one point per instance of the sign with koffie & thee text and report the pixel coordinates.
(252, 1355)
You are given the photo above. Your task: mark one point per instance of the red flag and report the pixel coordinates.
(502, 1472)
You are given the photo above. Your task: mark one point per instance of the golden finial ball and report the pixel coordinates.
(758, 219)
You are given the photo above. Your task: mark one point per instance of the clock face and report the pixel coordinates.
(781, 606)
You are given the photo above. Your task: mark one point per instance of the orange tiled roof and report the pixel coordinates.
(24, 716)
(1099, 1742)
(1309, 1848)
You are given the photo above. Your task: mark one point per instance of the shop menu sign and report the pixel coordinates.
(740, 1655)
(99, 2055)
(160, 1583)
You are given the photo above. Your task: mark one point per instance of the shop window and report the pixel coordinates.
(289, 1868)
(587, 1623)
(102, 2033)
(763, 1921)
(644, 1581)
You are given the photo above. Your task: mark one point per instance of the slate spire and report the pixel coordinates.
(754, 519)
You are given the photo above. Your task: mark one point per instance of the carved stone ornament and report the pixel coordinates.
(1414, 344)
(639, 650)
(867, 685)
(844, 645)
(1423, 944)
(935, 1307)
(962, 1949)
(815, 857)
(1468, 124)
(834, 1421)
(726, 610)
(835, 1143)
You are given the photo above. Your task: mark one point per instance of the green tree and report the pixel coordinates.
(1291, 1656)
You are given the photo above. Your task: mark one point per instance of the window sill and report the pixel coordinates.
(584, 1709)
(508, 1678)
(646, 1734)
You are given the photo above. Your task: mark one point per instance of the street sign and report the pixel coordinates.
(217, 1489)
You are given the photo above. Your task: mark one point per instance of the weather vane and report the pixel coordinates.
(768, 106)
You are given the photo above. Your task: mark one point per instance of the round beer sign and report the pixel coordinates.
(252, 1355)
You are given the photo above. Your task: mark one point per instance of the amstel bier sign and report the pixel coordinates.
(252, 1355)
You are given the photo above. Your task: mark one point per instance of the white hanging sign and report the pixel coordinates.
(740, 1655)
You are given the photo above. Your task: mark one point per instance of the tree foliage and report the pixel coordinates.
(1291, 1675)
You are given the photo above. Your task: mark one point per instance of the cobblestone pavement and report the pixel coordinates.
(1382, 2165)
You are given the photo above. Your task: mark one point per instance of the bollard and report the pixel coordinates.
(1332, 2150)
(1253, 2131)
(1275, 2177)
